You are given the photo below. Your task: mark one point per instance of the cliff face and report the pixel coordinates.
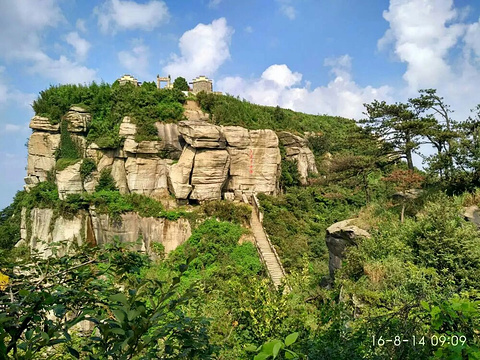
(193, 160)
(40, 227)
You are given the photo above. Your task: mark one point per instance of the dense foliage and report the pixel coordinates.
(417, 275)
(109, 104)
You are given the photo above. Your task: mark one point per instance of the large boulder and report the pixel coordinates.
(297, 150)
(127, 127)
(236, 136)
(69, 180)
(339, 236)
(256, 167)
(147, 176)
(78, 119)
(41, 154)
(210, 171)
(472, 214)
(171, 140)
(201, 134)
(40, 123)
(179, 174)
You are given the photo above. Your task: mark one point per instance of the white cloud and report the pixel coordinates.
(248, 29)
(214, 3)
(427, 38)
(278, 85)
(80, 25)
(203, 50)
(136, 60)
(14, 128)
(287, 9)
(129, 15)
(22, 22)
(80, 45)
(281, 75)
(62, 70)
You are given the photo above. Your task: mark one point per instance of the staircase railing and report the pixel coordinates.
(259, 214)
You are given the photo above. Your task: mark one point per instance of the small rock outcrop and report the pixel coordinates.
(201, 134)
(39, 123)
(472, 214)
(338, 237)
(78, 119)
(297, 150)
(42, 147)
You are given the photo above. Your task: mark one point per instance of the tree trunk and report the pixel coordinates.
(402, 214)
(408, 155)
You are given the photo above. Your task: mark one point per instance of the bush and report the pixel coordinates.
(106, 181)
(228, 211)
(180, 84)
(87, 168)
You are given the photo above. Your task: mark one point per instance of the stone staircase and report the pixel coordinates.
(265, 248)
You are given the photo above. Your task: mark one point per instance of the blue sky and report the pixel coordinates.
(315, 56)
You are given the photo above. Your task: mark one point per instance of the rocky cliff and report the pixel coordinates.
(192, 160)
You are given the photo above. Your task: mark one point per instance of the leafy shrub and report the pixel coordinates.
(181, 84)
(228, 211)
(87, 168)
(106, 181)
(68, 148)
(62, 164)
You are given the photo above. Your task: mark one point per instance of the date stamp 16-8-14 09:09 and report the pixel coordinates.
(432, 340)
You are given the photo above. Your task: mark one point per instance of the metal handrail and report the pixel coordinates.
(256, 207)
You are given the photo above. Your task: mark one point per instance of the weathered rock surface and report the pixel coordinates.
(210, 170)
(472, 214)
(179, 174)
(100, 229)
(255, 168)
(150, 230)
(236, 136)
(201, 134)
(43, 124)
(297, 150)
(40, 220)
(142, 147)
(127, 127)
(69, 181)
(41, 154)
(147, 176)
(171, 139)
(78, 119)
(339, 236)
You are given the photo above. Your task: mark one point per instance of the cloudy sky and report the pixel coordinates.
(315, 56)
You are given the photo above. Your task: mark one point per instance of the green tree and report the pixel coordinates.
(181, 84)
(395, 123)
(46, 298)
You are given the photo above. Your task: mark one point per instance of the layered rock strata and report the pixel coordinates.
(297, 150)
(99, 229)
(193, 160)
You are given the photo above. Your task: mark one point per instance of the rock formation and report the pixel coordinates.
(472, 214)
(97, 229)
(339, 236)
(213, 162)
(297, 150)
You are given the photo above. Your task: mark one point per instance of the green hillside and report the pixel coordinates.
(416, 278)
